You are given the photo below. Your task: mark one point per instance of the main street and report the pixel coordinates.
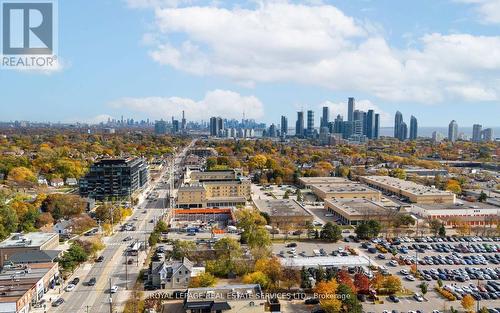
(114, 270)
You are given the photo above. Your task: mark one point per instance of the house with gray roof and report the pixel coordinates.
(170, 274)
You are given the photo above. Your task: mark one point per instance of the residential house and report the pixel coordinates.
(71, 181)
(57, 182)
(170, 274)
(42, 181)
(63, 227)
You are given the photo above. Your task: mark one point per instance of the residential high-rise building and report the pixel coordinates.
(413, 128)
(161, 127)
(175, 126)
(452, 131)
(272, 131)
(299, 125)
(476, 132)
(325, 118)
(338, 125)
(284, 126)
(310, 123)
(403, 131)
(350, 109)
(487, 134)
(370, 124)
(376, 130)
(398, 120)
(216, 126)
(114, 178)
(437, 137)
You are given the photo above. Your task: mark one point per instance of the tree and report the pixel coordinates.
(350, 302)
(290, 277)
(424, 287)
(344, 278)
(257, 278)
(482, 197)
(299, 195)
(463, 229)
(453, 186)
(434, 225)
(181, 249)
(442, 230)
(258, 162)
(203, 280)
(392, 284)
(468, 303)
(63, 205)
(21, 175)
(327, 294)
(331, 232)
(368, 230)
(272, 268)
(362, 283)
(398, 173)
(305, 282)
(44, 219)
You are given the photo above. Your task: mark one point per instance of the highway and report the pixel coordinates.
(96, 299)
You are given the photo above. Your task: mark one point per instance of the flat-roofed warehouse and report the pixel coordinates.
(308, 182)
(472, 213)
(284, 213)
(354, 211)
(346, 191)
(408, 190)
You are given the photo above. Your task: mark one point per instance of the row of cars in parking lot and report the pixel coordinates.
(460, 274)
(488, 291)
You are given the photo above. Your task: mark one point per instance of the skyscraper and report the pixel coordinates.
(413, 128)
(284, 126)
(403, 131)
(310, 123)
(299, 125)
(476, 132)
(376, 129)
(350, 109)
(325, 118)
(487, 134)
(216, 126)
(183, 121)
(370, 124)
(453, 131)
(398, 119)
(338, 125)
(160, 127)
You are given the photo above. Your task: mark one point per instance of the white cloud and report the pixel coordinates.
(224, 103)
(144, 4)
(363, 105)
(319, 45)
(488, 10)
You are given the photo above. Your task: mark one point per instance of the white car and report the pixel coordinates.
(70, 287)
(410, 277)
(404, 272)
(393, 263)
(114, 289)
(418, 297)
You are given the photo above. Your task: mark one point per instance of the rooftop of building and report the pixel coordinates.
(228, 292)
(281, 207)
(192, 187)
(323, 180)
(350, 187)
(407, 186)
(359, 206)
(18, 240)
(16, 281)
(462, 205)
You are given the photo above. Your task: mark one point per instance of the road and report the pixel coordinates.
(113, 269)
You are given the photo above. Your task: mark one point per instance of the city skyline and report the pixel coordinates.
(158, 75)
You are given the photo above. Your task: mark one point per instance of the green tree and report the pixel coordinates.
(350, 302)
(482, 197)
(434, 225)
(442, 230)
(331, 232)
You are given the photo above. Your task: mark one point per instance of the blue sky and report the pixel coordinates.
(436, 59)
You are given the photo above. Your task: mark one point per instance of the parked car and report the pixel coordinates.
(70, 287)
(311, 301)
(91, 282)
(113, 289)
(100, 259)
(58, 302)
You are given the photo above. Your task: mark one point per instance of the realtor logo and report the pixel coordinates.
(28, 33)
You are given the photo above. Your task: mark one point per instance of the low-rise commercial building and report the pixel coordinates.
(308, 182)
(345, 191)
(408, 190)
(202, 176)
(284, 213)
(247, 298)
(25, 285)
(18, 243)
(354, 211)
(472, 213)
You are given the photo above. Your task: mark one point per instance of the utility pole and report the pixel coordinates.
(126, 272)
(110, 298)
